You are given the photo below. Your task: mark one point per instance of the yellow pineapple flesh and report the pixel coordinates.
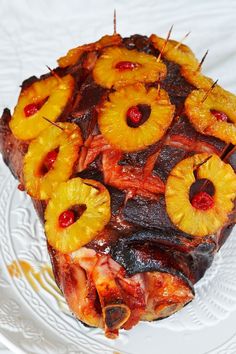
(55, 92)
(112, 118)
(175, 51)
(74, 54)
(200, 107)
(195, 77)
(109, 71)
(77, 192)
(183, 214)
(66, 137)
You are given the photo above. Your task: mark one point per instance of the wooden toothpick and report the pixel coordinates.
(114, 22)
(53, 123)
(181, 42)
(209, 91)
(165, 43)
(53, 73)
(202, 60)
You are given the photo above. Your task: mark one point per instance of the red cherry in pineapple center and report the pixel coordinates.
(221, 116)
(202, 201)
(126, 65)
(31, 109)
(134, 115)
(66, 218)
(50, 159)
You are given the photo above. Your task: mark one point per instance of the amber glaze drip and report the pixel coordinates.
(42, 279)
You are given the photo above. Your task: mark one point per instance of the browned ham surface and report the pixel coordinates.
(141, 266)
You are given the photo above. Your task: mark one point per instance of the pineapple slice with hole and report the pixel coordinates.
(45, 98)
(195, 77)
(113, 123)
(174, 51)
(119, 66)
(94, 198)
(213, 113)
(74, 54)
(201, 221)
(50, 159)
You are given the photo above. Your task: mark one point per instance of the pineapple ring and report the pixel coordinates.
(112, 118)
(68, 141)
(195, 77)
(193, 221)
(74, 54)
(198, 108)
(58, 91)
(148, 69)
(174, 51)
(97, 214)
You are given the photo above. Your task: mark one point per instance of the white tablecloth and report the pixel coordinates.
(3, 350)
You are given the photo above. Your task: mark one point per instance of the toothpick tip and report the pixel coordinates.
(202, 60)
(53, 123)
(53, 73)
(209, 91)
(114, 22)
(165, 43)
(181, 41)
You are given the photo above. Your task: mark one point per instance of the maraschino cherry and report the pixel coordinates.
(126, 65)
(202, 201)
(134, 114)
(50, 159)
(66, 218)
(221, 116)
(31, 109)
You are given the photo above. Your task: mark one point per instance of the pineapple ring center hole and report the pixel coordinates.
(33, 108)
(48, 161)
(138, 115)
(70, 216)
(201, 194)
(220, 116)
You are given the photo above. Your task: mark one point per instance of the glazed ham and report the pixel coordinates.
(134, 185)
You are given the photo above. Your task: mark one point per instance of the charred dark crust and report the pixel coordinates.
(117, 199)
(183, 127)
(151, 213)
(157, 252)
(145, 258)
(140, 43)
(139, 159)
(28, 82)
(231, 157)
(12, 149)
(93, 171)
(176, 85)
(86, 120)
(167, 158)
(84, 113)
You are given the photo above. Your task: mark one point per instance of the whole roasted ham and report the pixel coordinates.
(128, 152)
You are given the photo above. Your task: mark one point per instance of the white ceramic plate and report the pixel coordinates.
(33, 315)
